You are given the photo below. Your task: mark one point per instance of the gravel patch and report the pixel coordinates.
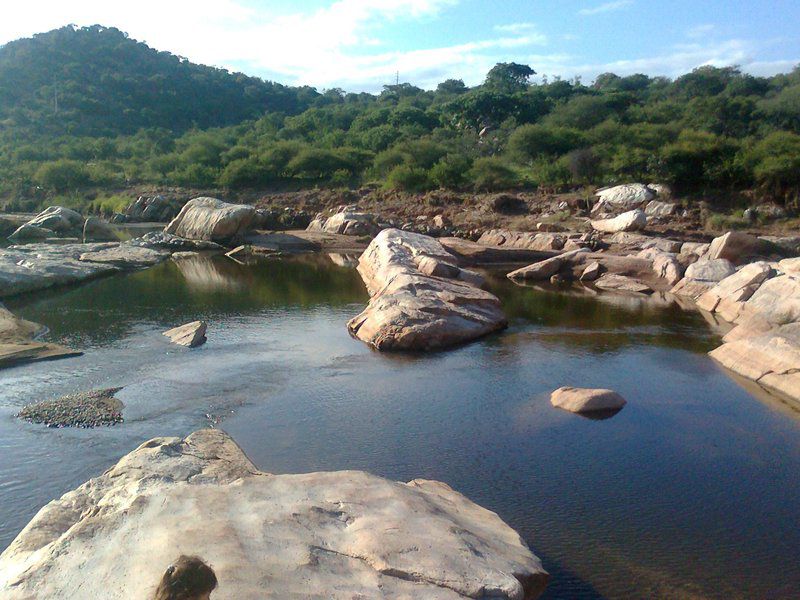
(84, 409)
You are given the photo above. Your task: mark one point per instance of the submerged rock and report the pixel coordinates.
(85, 409)
(190, 335)
(212, 220)
(314, 535)
(409, 310)
(621, 283)
(586, 400)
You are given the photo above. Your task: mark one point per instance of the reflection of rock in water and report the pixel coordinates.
(205, 273)
(344, 260)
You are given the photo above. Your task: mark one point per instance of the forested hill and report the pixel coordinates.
(97, 81)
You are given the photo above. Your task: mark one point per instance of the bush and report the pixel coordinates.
(408, 179)
(492, 174)
(530, 142)
(450, 171)
(61, 175)
(108, 205)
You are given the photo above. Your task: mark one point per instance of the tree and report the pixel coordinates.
(508, 77)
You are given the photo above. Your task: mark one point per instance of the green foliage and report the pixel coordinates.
(408, 178)
(530, 142)
(450, 171)
(62, 174)
(491, 174)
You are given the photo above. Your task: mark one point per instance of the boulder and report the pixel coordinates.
(409, 310)
(27, 232)
(98, 230)
(735, 246)
(212, 220)
(790, 266)
(737, 287)
(520, 239)
(18, 344)
(152, 209)
(126, 256)
(58, 219)
(346, 222)
(667, 267)
(546, 268)
(656, 209)
(633, 220)
(711, 271)
(772, 359)
(623, 197)
(585, 400)
(345, 534)
(190, 335)
(591, 272)
(662, 190)
(776, 301)
(621, 283)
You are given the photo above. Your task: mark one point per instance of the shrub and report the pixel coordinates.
(61, 175)
(492, 174)
(408, 178)
(450, 171)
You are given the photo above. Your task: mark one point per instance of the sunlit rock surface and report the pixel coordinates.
(345, 534)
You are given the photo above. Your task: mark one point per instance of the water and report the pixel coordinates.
(691, 491)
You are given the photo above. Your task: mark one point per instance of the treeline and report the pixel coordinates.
(712, 129)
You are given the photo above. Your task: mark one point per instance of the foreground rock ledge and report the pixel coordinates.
(343, 534)
(420, 298)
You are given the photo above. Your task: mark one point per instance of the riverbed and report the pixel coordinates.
(689, 492)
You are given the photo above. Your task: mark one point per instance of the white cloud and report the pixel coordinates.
(515, 28)
(700, 31)
(607, 7)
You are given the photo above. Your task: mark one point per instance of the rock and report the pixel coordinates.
(38, 266)
(409, 310)
(343, 534)
(440, 222)
(434, 267)
(472, 253)
(735, 246)
(184, 255)
(770, 211)
(771, 359)
(212, 220)
(98, 230)
(623, 197)
(656, 209)
(17, 343)
(789, 245)
(524, 240)
(190, 335)
(790, 265)
(662, 190)
(346, 222)
(58, 219)
(126, 256)
(621, 283)
(585, 400)
(667, 267)
(633, 220)
(662, 244)
(737, 287)
(160, 239)
(591, 272)
(85, 409)
(547, 268)
(155, 209)
(31, 232)
(694, 248)
(776, 301)
(713, 270)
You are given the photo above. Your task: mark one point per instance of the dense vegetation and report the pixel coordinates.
(130, 115)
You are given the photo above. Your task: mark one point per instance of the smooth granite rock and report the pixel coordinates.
(409, 310)
(633, 220)
(546, 268)
(212, 220)
(190, 335)
(623, 197)
(586, 400)
(340, 535)
(523, 240)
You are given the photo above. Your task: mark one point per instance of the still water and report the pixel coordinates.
(691, 491)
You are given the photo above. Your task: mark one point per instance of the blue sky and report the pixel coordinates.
(360, 44)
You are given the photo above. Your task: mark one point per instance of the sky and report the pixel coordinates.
(361, 45)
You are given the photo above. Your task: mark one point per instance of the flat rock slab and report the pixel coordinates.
(344, 534)
(190, 335)
(16, 353)
(85, 409)
(546, 268)
(126, 256)
(620, 283)
(409, 310)
(587, 400)
(471, 253)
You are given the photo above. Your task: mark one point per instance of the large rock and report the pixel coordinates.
(620, 283)
(633, 220)
(344, 534)
(27, 232)
(776, 301)
(98, 230)
(18, 344)
(58, 219)
(409, 310)
(736, 288)
(711, 271)
(771, 359)
(623, 197)
(586, 400)
(546, 268)
(126, 256)
(190, 335)
(736, 247)
(656, 209)
(152, 209)
(521, 239)
(211, 219)
(346, 222)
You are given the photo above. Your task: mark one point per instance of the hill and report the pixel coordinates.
(98, 81)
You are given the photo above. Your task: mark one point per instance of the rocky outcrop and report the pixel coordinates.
(546, 268)
(505, 238)
(586, 400)
(152, 209)
(18, 343)
(38, 266)
(701, 276)
(736, 247)
(411, 310)
(623, 197)
(656, 209)
(633, 220)
(190, 335)
(729, 294)
(314, 535)
(347, 221)
(212, 220)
